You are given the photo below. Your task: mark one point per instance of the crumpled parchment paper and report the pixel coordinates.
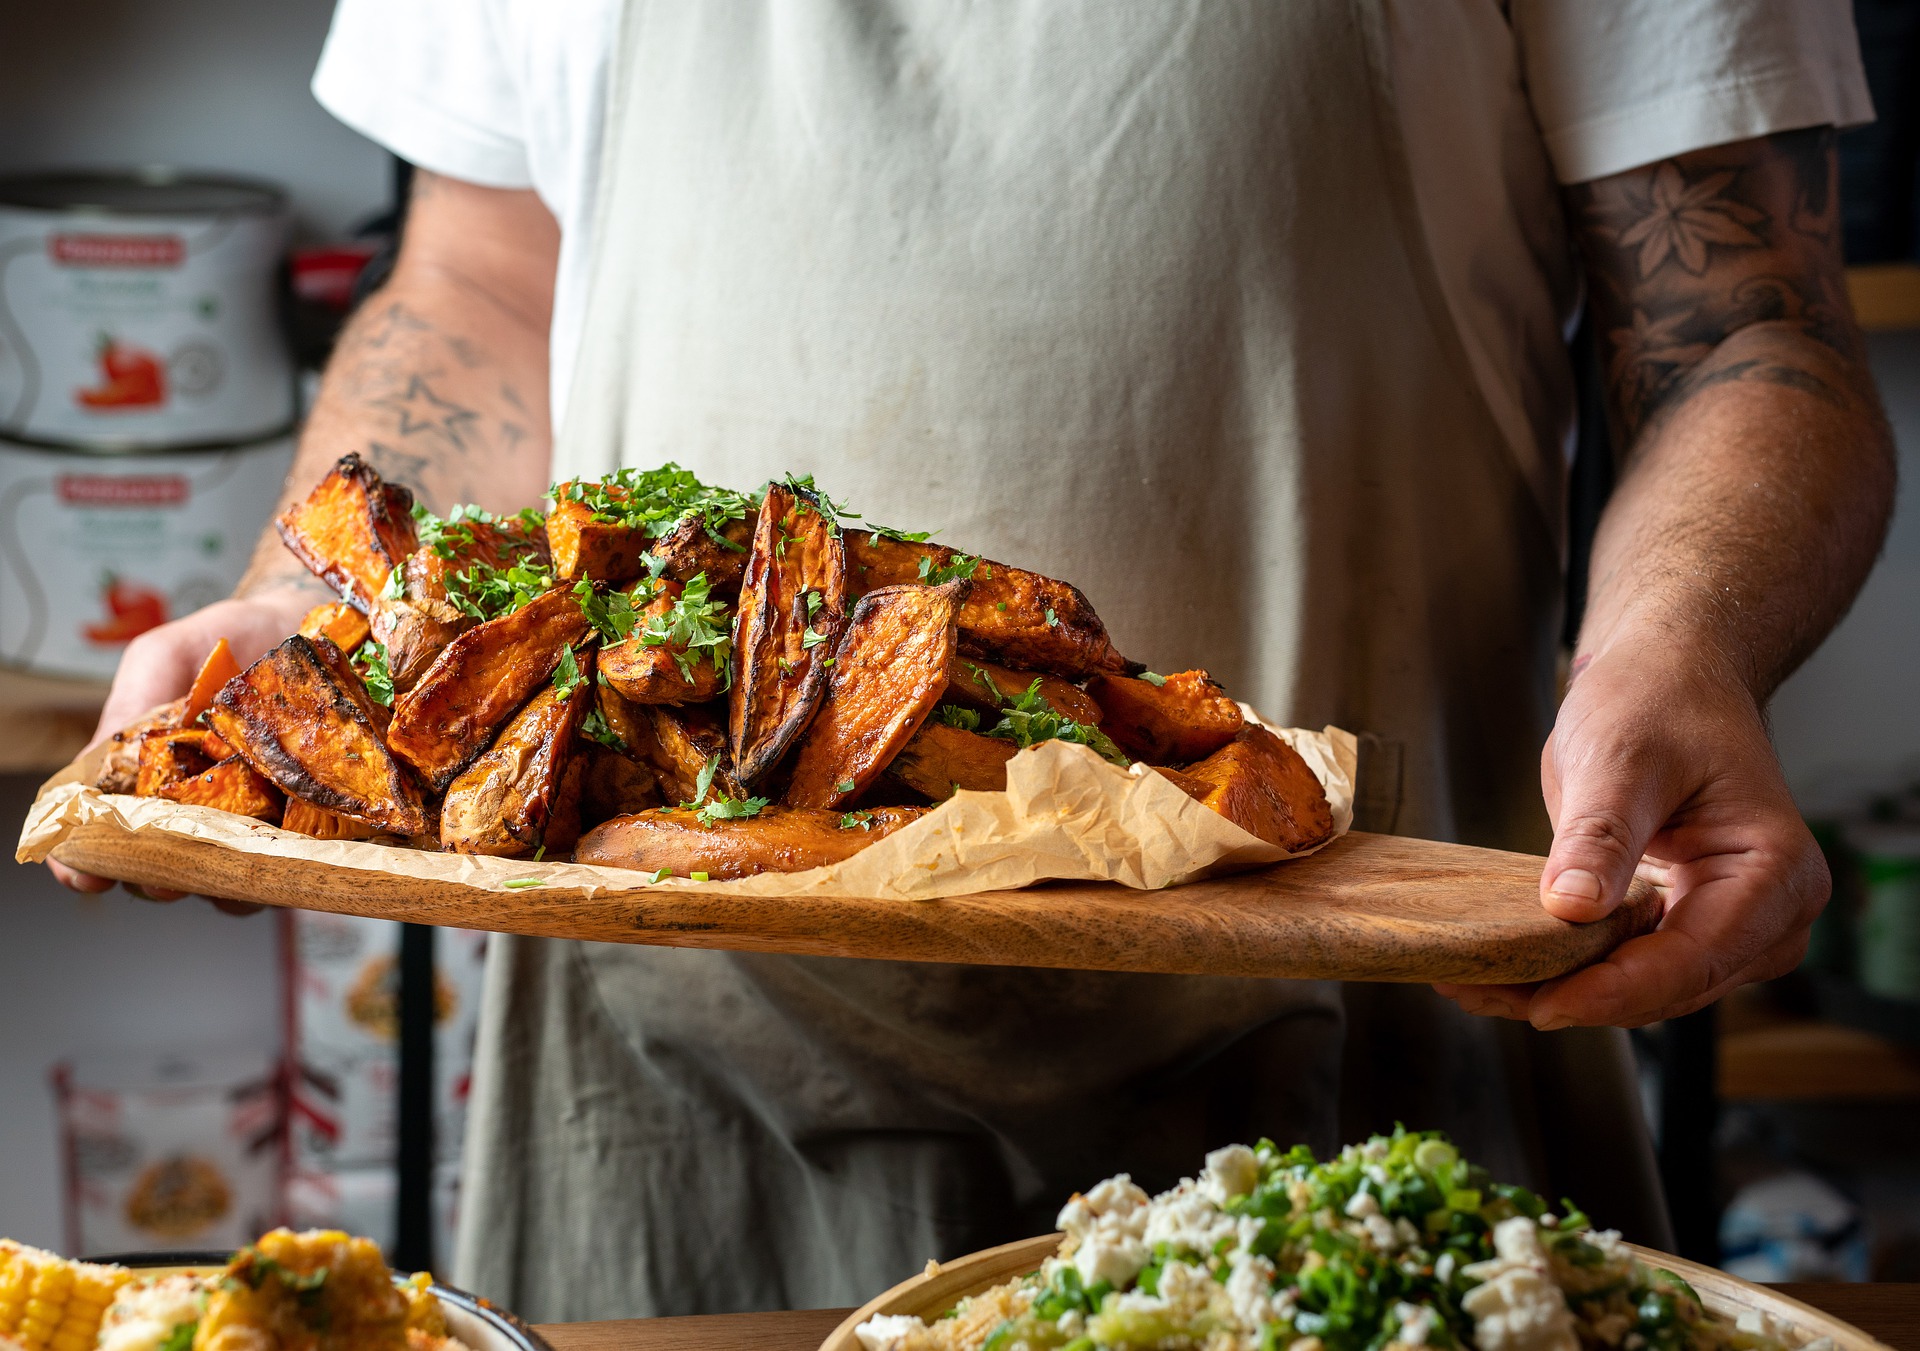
(1066, 814)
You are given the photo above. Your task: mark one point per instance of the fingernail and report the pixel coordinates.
(1552, 1023)
(1577, 884)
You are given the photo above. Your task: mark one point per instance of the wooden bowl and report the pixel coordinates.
(936, 1290)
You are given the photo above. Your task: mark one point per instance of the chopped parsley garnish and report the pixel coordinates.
(1053, 620)
(594, 727)
(959, 565)
(697, 877)
(396, 586)
(694, 624)
(857, 821)
(567, 676)
(486, 592)
(810, 497)
(522, 883)
(539, 853)
(1152, 678)
(845, 786)
(611, 612)
(876, 533)
(810, 640)
(710, 808)
(370, 660)
(964, 718)
(1030, 719)
(813, 603)
(448, 535)
(987, 683)
(661, 874)
(655, 500)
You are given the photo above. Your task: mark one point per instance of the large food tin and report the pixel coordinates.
(97, 549)
(139, 310)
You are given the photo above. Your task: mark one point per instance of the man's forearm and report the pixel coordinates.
(1758, 470)
(440, 382)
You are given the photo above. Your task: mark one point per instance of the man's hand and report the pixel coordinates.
(1651, 759)
(1755, 492)
(160, 664)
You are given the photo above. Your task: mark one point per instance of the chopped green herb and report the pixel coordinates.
(694, 624)
(486, 592)
(859, 820)
(370, 660)
(876, 533)
(539, 853)
(999, 605)
(811, 496)
(594, 727)
(180, 1339)
(845, 786)
(1030, 719)
(810, 640)
(827, 665)
(958, 565)
(662, 874)
(698, 877)
(1053, 620)
(964, 718)
(987, 683)
(1153, 678)
(611, 612)
(522, 883)
(655, 500)
(396, 586)
(710, 809)
(786, 667)
(813, 604)
(567, 676)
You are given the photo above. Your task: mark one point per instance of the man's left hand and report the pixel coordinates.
(1661, 769)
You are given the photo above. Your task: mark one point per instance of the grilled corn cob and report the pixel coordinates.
(50, 1304)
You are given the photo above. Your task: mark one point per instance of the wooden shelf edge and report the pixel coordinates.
(1886, 296)
(1816, 1062)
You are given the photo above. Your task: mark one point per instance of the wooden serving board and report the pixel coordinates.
(1368, 907)
(932, 1293)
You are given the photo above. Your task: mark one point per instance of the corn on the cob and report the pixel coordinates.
(50, 1304)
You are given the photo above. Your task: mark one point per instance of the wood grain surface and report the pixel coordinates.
(1368, 907)
(1888, 1312)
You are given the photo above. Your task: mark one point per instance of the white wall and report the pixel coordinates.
(1852, 713)
(201, 84)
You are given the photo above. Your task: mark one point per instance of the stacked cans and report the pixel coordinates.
(146, 404)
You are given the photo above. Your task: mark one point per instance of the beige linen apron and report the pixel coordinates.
(1131, 293)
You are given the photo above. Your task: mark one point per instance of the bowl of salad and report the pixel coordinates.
(1392, 1244)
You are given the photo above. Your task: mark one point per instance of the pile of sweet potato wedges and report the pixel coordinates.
(662, 675)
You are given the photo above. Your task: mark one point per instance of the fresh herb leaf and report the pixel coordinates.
(964, 718)
(704, 782)
(370, 660)
(810, 640)
(396, 586)
(697, 877)
(834, 512)
(567, 676)
(539, 853)
(987, 683)
(694, 624)
(813, 604)
(722, 808)
(857, 820)
(594, 727)
(522, 883)
(487, 592)
(1153, 678)
(1030, 719)
(655, 500)
(661, 874)
(958, 565)
(845, 786)
(1053, 620)
(827, 665)
(876, 533)
(611, 612)
(999, 605)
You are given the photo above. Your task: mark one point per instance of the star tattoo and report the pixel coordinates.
(421, 410)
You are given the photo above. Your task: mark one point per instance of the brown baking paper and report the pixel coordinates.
(1066, 814)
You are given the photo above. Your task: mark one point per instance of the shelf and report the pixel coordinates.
(1796, 1061)
(1885, 295)
(45, 720)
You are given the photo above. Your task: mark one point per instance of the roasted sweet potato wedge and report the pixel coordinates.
(587, 544)
(628, 722)
(1260, 783)
(232, 785)
(1013, 616)
(691, 548)
(613, 785)
(300, 718)
(215, 671)
(306, 819)
(351, 531)
(120, 771)
(779, 839)
(477, 682)
(793, 601)
(973, 682)
(940, 759)
(432, 606)
(677, 743)
(170, 755)
(647, 670)
(338, 622)
(1187, 718)
(889, 670)
(504, 802)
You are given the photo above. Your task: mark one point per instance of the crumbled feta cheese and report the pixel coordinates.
(146, 1313)
(1443, 1269)
(1517, 1240)
(1232, 1171)
(1117, 1197)
(1185, 1219)
(1108, 1254)
(885, 1331)
(1381, 1233)
(1416, 1322)
(1374, 1150)
(1071, 1323)
(1250, 1291)
(1518, 1307)
(1363, 1204)
(1404, 1230)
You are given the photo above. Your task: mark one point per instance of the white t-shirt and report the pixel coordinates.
(1498, 100)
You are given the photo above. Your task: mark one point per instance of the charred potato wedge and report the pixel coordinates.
(586, 545)
(889, 670)
(941, 759)
(792, 608)
(168, 756)
(303, 818)
(1012, 616)
(779, 839)
(417, 624)
(351, 531)
(1260, 783)
(677, 743)
(612, 785)
(338, 622)
(504, 803)
(651, 673)
(477, 682)
(120, 771)
(301, 719)
(983, 686)
(232, 785)
(691, 547)
(1187, 718)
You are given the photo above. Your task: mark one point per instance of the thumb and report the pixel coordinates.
(1607, 815)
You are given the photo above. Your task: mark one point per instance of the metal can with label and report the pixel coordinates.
(140, 310)
(97, 549)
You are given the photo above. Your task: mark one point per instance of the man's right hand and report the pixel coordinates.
(160, 664)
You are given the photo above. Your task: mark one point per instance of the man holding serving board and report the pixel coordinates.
(1249, 319)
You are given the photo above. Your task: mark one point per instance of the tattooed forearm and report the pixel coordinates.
(1686, 253)
(427, 380)
(1757, 468)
